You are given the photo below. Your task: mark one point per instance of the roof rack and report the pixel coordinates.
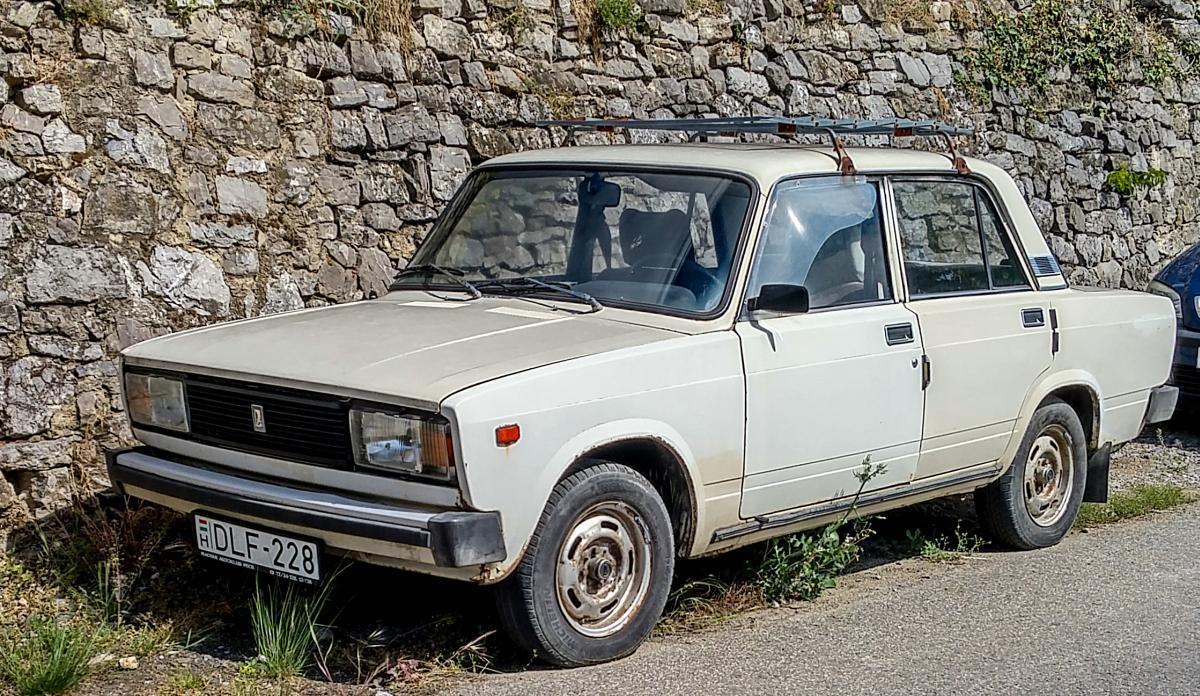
(699, 129)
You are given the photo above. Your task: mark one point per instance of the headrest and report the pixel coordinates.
(646, 235)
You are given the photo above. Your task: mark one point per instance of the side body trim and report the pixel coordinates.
(791, 517)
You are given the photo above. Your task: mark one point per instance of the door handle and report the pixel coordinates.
(895, 334)
(1033, 317)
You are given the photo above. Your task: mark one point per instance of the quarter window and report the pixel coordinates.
(952, 240)
(826, 235)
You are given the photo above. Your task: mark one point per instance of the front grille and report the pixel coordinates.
(1187, 379)
(297, 425)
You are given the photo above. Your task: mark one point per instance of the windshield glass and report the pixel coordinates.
(648, 238)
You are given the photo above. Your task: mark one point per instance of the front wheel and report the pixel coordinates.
(596, 574)
(1034, 503)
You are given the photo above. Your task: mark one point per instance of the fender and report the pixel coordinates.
(613, 432)
(1049, 383)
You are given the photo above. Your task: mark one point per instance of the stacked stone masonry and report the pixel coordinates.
(161, 170)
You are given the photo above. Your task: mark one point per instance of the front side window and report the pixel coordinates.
(952, 240)
(825, 235)
(663, 240)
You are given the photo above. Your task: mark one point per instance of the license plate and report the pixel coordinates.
(250, 547)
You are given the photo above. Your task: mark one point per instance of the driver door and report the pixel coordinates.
(830, 387)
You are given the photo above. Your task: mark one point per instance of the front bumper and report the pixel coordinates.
(456, 539)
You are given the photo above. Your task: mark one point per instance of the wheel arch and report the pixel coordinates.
(665, 469)
(1086, 404)
(1079, 389)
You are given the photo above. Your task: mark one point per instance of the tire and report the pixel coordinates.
(556, 618)
(1031, 506)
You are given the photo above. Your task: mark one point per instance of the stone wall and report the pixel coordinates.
(162, 170)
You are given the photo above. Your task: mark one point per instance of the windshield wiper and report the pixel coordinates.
(434, 269)
(507, 283)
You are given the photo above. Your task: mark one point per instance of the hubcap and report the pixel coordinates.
(604, 569)
(1049, 473)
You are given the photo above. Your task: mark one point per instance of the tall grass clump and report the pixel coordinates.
(47, 658)
(285, 622)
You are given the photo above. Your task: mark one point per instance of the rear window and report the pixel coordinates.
(952, 240)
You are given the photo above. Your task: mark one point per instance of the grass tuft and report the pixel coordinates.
(184, 683)
(48, 658)
(1136, 502)
(285, 623)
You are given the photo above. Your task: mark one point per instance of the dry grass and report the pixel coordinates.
(707, 8)
(560, 104)
(393, 17)
(705, 603)
(909, 14)
(516, 23)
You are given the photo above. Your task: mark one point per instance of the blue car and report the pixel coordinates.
(1180, 281)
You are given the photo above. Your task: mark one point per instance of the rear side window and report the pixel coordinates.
(952, 240)
(824, 234)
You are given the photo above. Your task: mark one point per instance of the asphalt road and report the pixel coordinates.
(1115, 610)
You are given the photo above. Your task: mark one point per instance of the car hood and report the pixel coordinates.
(407, 347)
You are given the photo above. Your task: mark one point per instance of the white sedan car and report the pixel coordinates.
(606, 357)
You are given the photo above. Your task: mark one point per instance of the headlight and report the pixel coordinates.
(402, 444)
(1160, 288)
(156, 401)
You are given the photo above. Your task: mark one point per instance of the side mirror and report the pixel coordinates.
(789, 299)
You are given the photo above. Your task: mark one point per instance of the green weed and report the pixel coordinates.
(802, 566)
(1126, 181)
(94, 12)
(1136, 502)
(943, 548)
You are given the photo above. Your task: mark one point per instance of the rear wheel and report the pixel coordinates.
(596, 574)
(1035, 502)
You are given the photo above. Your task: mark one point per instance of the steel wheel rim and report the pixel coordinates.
(1049, 475)
(603, 569)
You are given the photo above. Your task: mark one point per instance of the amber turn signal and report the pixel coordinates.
(508, 435)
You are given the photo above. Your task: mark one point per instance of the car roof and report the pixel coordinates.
(766, 162)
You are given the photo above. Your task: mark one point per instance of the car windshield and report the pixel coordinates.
(610, 237)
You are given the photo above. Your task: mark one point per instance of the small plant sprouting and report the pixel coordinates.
(942, 548)
(184, 9)
(619, 15)
(94, 12)
(1126, 181)
(184, 683)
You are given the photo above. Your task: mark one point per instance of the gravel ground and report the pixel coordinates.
(1162, 455)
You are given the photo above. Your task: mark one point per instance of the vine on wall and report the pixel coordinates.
(1097, 41)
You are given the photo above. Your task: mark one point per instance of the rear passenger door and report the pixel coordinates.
(986, 332)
